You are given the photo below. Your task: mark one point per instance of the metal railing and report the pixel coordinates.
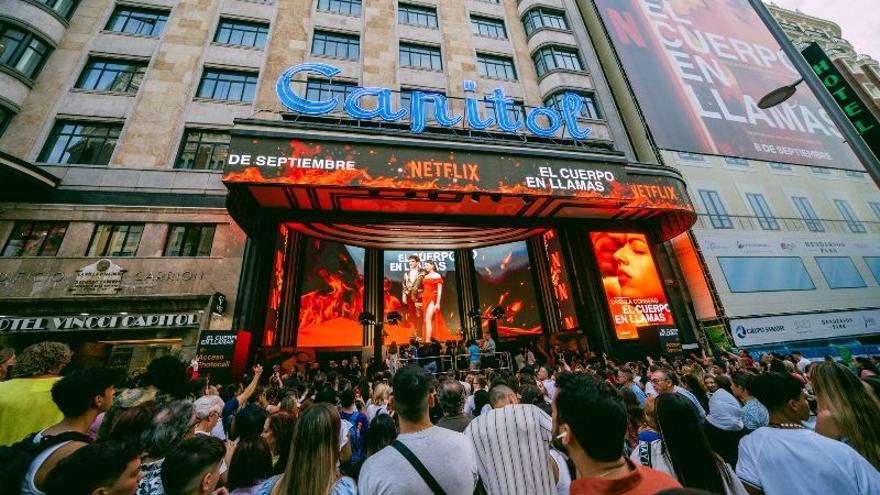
(461, 362)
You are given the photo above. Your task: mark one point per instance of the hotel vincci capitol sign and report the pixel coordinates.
(543, 121)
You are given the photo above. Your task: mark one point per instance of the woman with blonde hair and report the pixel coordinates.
(378, 403)
(314, 455)
(848, 410)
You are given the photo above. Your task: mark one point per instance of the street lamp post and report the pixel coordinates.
(775, 97)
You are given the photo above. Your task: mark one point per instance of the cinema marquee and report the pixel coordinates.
(343, 202)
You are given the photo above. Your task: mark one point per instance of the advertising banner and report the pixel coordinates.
(299, 162)
(215, 353)
(698, 70)
(632, 286)
(772, 329)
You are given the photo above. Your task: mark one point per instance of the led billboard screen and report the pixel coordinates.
(698, 70)
(632, 286)
(412, 291)
(504, 279)
(332, 295)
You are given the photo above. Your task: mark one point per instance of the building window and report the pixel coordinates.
(541, 18)
(821, 171)
(228, 85)
(552, 57)
(406, 102)
(488, 27)
(690, 157)
(420, 57)
(122, 76)
(64, 8)
(203, 150)
(242, 33)
(762, 210)
(416, 15)
(137, 21)
(738, 162)
(840, 272)
(22, 51)
(515, 112)
(35, 239)
(115, 239)
(589, 110)
(321, 90)
(346, 7)
(5, 118)
(496, 67)
(854, 174)
(337, 45)
(873, 263)
(873, 205)
(805, 208)
(784, 167)
(765, 274)
(190, 240)
(85, 143)
(715, 208)
(849, 216)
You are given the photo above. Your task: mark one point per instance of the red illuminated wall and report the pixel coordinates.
(632, 286)
(559, 280)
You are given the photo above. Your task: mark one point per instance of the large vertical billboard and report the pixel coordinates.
(698, 70)
(632, 285)
(504, 279)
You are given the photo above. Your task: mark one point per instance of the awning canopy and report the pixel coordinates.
(22, 181)
(327, 176)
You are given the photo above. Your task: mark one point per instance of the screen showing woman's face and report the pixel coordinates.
(636, 273)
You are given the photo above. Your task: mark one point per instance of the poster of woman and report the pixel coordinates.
(632, 286)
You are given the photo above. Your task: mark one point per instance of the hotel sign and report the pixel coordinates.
(542, 122)
(845, 96)
(118, 321)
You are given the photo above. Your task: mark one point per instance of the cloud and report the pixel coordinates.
(859, 19)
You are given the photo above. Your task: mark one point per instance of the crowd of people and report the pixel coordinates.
(556, 422)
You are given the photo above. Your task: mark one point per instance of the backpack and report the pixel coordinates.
(16, 459)
(356, 437)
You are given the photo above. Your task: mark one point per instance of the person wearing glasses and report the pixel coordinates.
(208, 409)
(663, 382)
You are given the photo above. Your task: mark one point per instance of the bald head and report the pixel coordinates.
(502, 395)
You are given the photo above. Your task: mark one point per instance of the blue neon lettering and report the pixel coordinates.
(383, 105)
(553, 118)
(501, 101)
(472, 109)
(571, 106)
(567, 115)
(295, 102)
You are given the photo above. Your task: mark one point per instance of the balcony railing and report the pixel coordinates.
(819, 225)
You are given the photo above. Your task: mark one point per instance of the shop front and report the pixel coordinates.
(445, 235)
(114, 312)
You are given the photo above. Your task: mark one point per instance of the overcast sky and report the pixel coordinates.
(859, 19)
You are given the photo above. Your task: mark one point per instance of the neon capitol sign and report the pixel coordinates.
(553, 119)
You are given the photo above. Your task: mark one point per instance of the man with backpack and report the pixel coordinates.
(81, 397)
(425, 459)
(358, 421)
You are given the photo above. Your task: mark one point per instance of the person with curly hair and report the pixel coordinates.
(26, 402)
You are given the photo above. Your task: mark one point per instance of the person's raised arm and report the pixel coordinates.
(249, 390)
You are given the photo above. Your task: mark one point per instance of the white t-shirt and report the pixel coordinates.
(549, 390)
(564, 484)
(783, 461)
(803, 363)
